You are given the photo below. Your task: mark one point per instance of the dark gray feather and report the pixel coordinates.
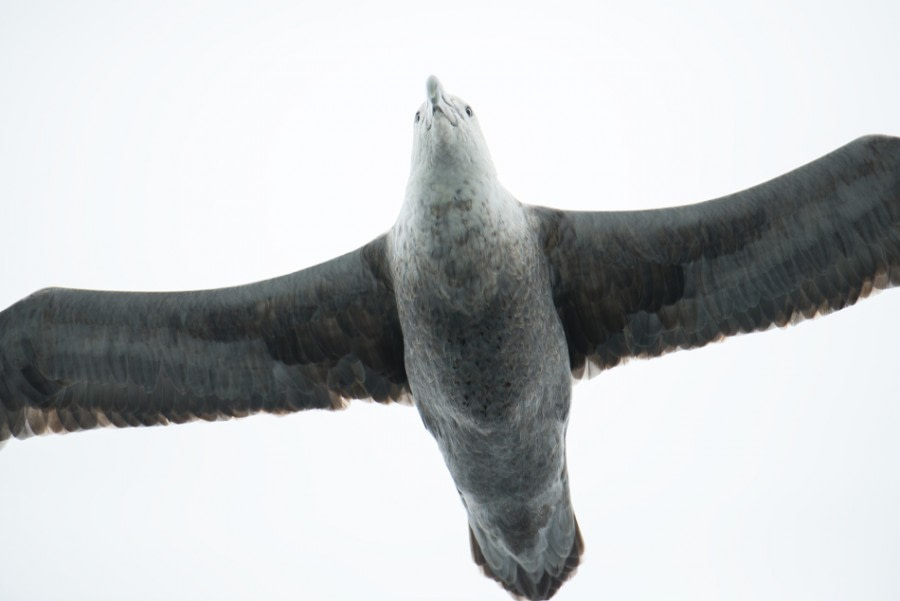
(641, 283)
(75, 359)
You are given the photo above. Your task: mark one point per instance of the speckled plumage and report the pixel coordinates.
(477, 307)
(486, 356)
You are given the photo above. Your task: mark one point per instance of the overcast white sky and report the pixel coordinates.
(186, 145)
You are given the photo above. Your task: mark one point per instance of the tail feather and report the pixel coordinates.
(530, 585)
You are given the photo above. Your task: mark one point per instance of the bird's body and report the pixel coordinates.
(487, 364)
(477, 307)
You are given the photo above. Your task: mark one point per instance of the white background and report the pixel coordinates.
(185, 145)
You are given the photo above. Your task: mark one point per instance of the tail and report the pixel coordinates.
(553, 565)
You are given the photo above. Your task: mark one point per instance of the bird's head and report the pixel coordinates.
(447, 135)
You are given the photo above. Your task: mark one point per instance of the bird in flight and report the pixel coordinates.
(476, 308)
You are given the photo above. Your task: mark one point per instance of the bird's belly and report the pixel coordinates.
(493, 387)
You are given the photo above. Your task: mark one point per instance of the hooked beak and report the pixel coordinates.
(437, 103)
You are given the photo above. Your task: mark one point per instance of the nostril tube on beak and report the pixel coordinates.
(438, 103)
(433, 88)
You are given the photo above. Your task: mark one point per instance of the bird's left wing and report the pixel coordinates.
(78, 359)
(641, 283)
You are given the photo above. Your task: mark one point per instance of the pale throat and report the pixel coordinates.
(458, 230)
(450, 194)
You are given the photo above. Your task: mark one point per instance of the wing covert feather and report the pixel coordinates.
(642, 283)
(77, 359)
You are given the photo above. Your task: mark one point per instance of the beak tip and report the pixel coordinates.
(433, 88)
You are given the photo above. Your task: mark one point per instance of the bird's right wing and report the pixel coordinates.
(78, 359)
(642, 283)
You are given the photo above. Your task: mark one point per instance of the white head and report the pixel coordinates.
(447, 136)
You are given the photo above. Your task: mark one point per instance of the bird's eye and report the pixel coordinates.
(469, 111)
(418, 116)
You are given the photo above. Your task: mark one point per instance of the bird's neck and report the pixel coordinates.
(458, 230)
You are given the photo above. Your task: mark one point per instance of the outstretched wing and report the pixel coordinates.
(78, 359)
(641, 283)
